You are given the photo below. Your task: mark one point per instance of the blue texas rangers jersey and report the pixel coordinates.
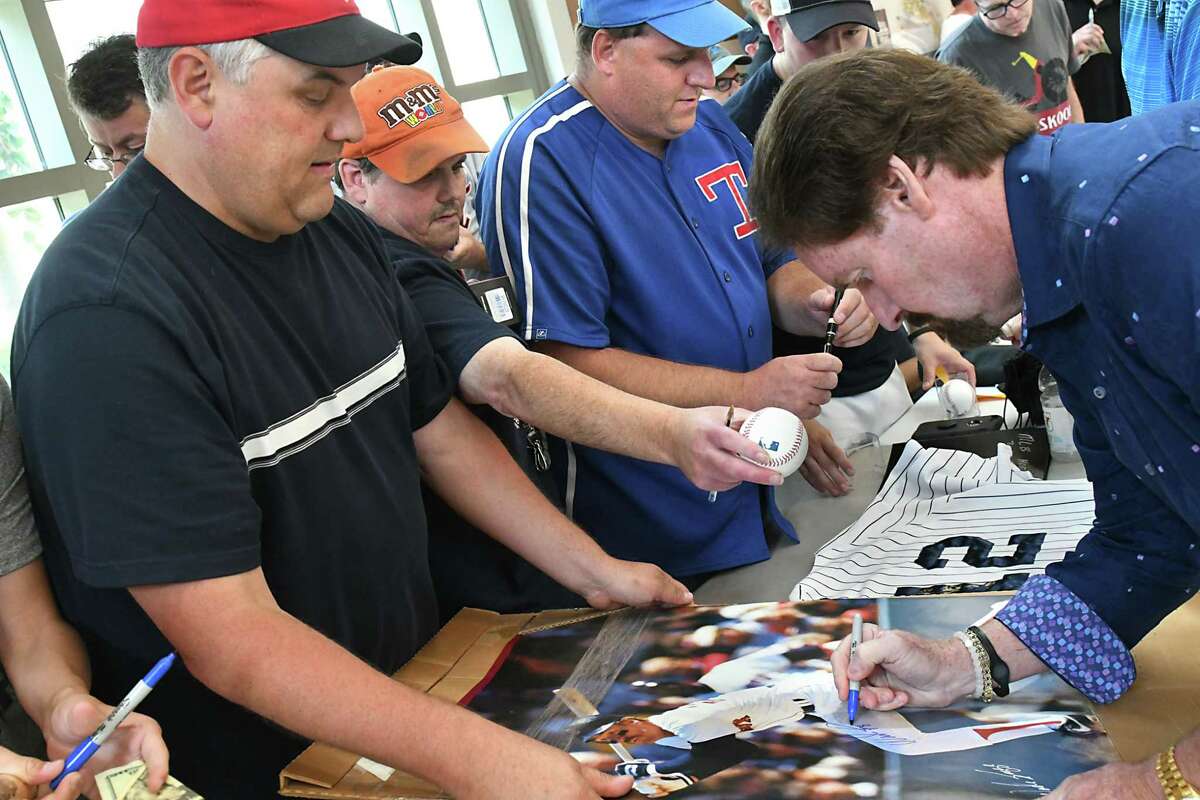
(610, 246)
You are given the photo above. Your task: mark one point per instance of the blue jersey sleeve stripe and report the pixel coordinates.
(505, 256)
(526, 162)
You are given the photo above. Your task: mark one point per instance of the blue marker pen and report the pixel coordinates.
(855, 641)
(87, 748)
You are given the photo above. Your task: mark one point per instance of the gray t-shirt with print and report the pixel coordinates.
(19, 543)
(1033, 68)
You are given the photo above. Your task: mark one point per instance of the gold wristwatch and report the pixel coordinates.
(1174, 785)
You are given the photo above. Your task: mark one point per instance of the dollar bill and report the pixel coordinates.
(113, 784)
(129, 783)
(171, 790)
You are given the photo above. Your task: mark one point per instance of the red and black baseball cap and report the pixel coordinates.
(325, 33)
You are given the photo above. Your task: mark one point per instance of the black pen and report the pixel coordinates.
(831, 326)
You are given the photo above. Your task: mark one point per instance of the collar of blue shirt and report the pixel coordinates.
(1049, 293)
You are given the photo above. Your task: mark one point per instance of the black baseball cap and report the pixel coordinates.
(810, 18)
(745, 37)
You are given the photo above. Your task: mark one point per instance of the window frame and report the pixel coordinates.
(533, 78)
(72, 177)
(77, 176)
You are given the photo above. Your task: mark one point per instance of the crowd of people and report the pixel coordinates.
(272, 427)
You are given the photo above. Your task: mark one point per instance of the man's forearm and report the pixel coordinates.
(549, 394)
(511, 509)
(318, 690)
(42, 655)
(684, 385)
(1020, 659)
(959, 679)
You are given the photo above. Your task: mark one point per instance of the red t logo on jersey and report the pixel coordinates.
(726, 173)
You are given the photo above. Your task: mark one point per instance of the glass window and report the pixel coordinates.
(78, 23)
(35, 138)
(502, 31)
(18, 152)
(404, 16)
(480, 38)
(26, 230)
(491, 115)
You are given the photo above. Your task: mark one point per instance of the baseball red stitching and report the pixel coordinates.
(780, 460)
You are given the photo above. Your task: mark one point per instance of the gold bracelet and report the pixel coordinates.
(981, 658)
(1174, 785)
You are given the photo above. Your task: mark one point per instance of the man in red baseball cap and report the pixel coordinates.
(227, 404)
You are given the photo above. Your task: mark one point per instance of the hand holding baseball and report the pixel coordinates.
(781, 435)
(713, 456)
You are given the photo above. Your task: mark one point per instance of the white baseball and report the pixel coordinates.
(781, 434)
(958, 397)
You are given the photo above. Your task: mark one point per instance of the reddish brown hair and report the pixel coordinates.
(826, 142)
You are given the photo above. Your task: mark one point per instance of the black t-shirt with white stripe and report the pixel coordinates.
(197, 404)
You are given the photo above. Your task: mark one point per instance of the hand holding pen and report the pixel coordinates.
(831, 327)
(854, 323)
(712, 496)
(855, 641)
(152, 750)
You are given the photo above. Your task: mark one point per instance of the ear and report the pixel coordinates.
(604, 48)
(193, 77)
(354, 183)
(775, 31)
(904, 191)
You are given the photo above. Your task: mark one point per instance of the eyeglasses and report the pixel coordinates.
(998, 11)
(105, 163)
(725, 84)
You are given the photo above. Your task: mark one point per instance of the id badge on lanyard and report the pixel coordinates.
(498, 300)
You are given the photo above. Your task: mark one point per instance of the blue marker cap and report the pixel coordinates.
(159, 669)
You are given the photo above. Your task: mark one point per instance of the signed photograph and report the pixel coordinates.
(739, 701)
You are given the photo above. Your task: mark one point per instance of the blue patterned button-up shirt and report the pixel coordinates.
(1104, 222)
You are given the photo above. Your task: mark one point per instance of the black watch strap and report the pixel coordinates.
(998, 668)
(919, 331)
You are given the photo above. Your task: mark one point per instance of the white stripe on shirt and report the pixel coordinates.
(305, 428)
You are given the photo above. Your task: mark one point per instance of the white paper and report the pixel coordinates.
(375, 768)
(763, 707)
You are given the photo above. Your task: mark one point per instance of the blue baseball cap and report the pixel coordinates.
(692, 23)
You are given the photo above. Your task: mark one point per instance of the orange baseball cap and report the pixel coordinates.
(412, 124)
